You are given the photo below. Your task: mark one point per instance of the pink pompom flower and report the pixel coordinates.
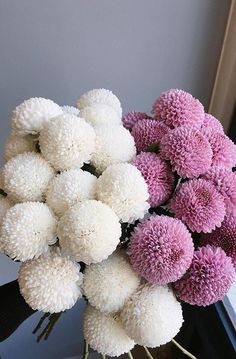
(148, 132)
(158, 176)
(132, 117)
(161, 249)
(177, 107)
(199, 205)
(188, 151)
(208, 279)
(210, 122)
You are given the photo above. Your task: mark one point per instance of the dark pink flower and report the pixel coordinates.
(158, 176)
(130, 118)
(177, 107)
(148, 132)
(188, 151)
(208, 279)
(199, 205)
(161, 249)
(211, 122)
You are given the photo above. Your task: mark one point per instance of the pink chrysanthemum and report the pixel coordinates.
(210, 122)
(224, 237)
(188, 151)
(224, 150)
(161, 249)
(132, 117)
(158, 176)
(199, 205)
(208, 279)
(225, 182)
(148, 132)
(177, 107)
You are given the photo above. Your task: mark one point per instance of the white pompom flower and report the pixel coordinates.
(101, 96)
(26, 177)
(15, 145)
(71, 110)
(68, 188)
(30, 116)
(27, 230)
(113, 144)
(105, 334)
(108, 284)
(99, 114)
(123, 188)
(50, 283)
(152, 316)
(89, 231)
(67, 141)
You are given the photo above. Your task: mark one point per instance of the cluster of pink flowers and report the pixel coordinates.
(187, 162)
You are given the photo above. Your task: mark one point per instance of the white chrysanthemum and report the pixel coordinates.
(152, 316)
(26, 177)
(99, 114)
(16, 145)
(113, 144)
(105, 334)
(89, 231)
(50, 283)
(123, 188)
(30, 116)
(5, 204)
(67, 141)
(68, 188)
(71, 110)
(101, 96)
(27, 230)
(108, 284)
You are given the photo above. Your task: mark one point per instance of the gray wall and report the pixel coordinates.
(61, 48)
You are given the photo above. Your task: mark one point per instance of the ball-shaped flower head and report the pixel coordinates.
(98, 114)
(68, 188)
(123, 188)
(148, 132)
(5, 204)
(199, 205)
(158, 176)
(113, 144)
(161, 249)
(132, 117)
(210, 122)
(224, 150)
(177, 108)
(71, 110)
(26, 177)
(188, 151)
(108, 284)
(152, 316)
(225, 182)
(30, 116)
(208, 279)
(101, 96)
(16, 145)
(50, 283)
(67, 141)
(105, 334)
(27, 230)
(223, 237)
(89, 231)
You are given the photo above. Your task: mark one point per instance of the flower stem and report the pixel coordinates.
(130, 355)
(183, 350)
(52, 319)
(38, 326)
(149, 355)
(103, 356)
(86, 350)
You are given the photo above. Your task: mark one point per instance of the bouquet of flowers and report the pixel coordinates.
(136, 214)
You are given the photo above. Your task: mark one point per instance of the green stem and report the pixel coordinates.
(38, 326)
(149, 355)
(103, 356)
(52, 318)
(183, 350)
(86, 350)
(130, 355)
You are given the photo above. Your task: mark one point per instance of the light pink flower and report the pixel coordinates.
(132, 117)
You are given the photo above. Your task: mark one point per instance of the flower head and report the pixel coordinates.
(210, 122)
(50, 283)
(208, 278)
(97, 114)
(152, 316)
(16, 145)
(177, 107)
(199, 205)
(71, 110)
(158, 176)
(123, 188)
(188, 151)
(132, 117)
(31, 115)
